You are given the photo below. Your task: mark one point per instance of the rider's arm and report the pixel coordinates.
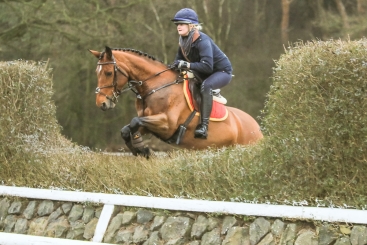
(205, 65)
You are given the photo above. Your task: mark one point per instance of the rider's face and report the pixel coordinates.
(183, 29)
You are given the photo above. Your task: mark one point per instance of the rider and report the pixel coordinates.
(198, 52)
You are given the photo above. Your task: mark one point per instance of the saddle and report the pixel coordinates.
(191, 89)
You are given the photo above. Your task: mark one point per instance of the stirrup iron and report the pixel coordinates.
(218, 97)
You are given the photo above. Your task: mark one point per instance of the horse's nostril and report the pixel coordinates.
(104, 106)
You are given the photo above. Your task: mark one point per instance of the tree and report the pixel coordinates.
(285, 20)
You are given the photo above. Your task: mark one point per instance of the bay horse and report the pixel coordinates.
(160, 104)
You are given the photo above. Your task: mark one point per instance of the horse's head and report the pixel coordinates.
(111, 79)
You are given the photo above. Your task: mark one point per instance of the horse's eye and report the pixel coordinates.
(108, 73)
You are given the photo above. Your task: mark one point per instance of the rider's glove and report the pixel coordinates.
(181, 64)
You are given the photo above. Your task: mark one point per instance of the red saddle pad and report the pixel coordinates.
(219, 111)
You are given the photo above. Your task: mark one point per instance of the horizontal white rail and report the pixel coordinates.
(18, 239)
(266, 210)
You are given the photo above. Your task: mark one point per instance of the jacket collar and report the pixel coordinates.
(196, 35)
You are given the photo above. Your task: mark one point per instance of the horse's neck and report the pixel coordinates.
(139, 68)
(151, 73)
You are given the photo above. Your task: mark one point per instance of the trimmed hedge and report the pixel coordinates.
(26, 104)
(315, 121)
(28, 114)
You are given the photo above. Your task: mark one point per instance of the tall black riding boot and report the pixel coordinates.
(201, 130)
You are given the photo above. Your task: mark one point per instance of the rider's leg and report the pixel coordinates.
(215, 81)
(201, 130)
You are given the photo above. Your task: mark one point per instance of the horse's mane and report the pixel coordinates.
(134, 51)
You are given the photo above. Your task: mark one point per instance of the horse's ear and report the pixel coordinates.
(108, 53)
(95, 53)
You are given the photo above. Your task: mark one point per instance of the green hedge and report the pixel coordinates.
(315, 121)
(28, 113)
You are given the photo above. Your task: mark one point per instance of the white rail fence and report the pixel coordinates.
(110, 200)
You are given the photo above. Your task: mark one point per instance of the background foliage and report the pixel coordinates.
(251, 32)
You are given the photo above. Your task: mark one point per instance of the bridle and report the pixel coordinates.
(116, 93)
(131, 84)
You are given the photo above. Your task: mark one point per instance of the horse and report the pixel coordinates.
(161, 107)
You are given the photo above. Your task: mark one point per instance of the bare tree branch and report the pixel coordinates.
(360, 7)
(343, 13)
(285, 20)
(161, 35)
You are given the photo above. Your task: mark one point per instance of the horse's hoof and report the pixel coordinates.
(144, 152)
(131, 148)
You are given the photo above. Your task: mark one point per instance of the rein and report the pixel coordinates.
(131, 84)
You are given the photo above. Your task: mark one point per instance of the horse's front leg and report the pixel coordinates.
(132, 133)
(126, 136)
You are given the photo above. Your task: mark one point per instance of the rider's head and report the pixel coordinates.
(187, 17)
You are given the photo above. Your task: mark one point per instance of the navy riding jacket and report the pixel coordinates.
(205, 56)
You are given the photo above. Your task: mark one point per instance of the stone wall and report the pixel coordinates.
(154, 227)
